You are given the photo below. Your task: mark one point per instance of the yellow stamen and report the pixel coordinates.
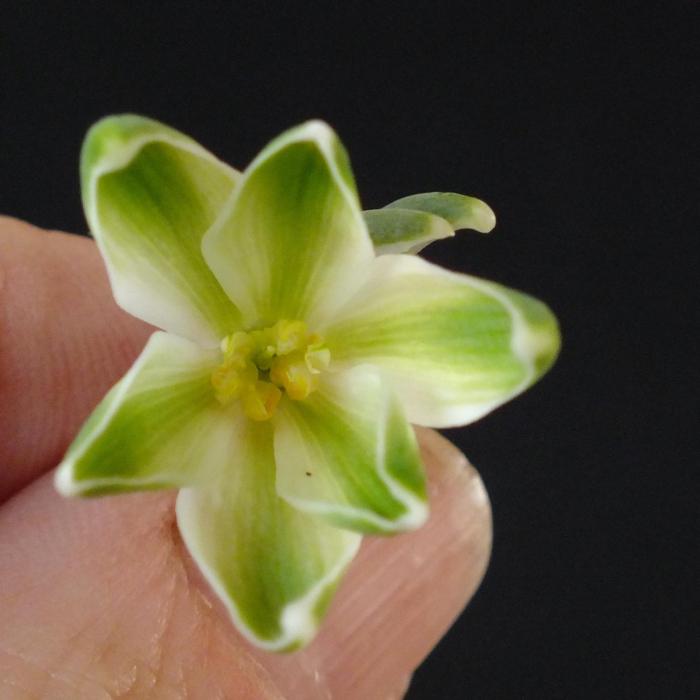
(291, 372)
(260, 400)
(229, 381)
(257, 365)
(290, 336)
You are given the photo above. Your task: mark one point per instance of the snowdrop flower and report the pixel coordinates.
(299, 341)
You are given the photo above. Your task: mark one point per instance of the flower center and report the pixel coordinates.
(259, 365)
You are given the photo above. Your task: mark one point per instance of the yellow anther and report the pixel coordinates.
(290, 371)
(260, 400)
(290, 336)
(229, 381)
(258, 364)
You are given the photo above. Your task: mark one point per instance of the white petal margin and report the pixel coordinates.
(149, 194)
(453, 347)
(292, 243)
(274, 567)
(159, 427)
(347, 453)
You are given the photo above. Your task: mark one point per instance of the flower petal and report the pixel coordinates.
(290, 242)
(461, 211)
(159, 427)
(404, 230)
(149, 194)
(347, 453)
(274, 567)
(453, 347)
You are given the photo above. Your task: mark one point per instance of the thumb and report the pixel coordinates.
(100, 598)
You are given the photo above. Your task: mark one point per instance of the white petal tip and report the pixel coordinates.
(415, 517)
(317, 132)
(299, 623)
(316, 129)
(63, 481)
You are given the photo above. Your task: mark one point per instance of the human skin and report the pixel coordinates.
(99, 598)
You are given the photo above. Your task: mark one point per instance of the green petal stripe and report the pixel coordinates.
(453, 347)
(292, 240)
(150, 193)
(347, 453)
(274, 567)
(159, 427)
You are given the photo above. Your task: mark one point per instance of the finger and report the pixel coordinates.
(100, 599)
(63, 343)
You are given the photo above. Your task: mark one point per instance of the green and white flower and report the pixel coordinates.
(298, 344)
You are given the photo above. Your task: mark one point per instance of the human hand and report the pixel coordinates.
(100, 599)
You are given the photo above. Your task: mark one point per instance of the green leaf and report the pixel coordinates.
(150, 193)
(453, 347)
(458, 209)
(291, 243)
(404, 230)
(159, 427)
(274, 567)
(347, 453)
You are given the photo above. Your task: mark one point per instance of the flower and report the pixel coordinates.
(296, 350)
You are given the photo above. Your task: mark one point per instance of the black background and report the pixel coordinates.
(577, 123)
